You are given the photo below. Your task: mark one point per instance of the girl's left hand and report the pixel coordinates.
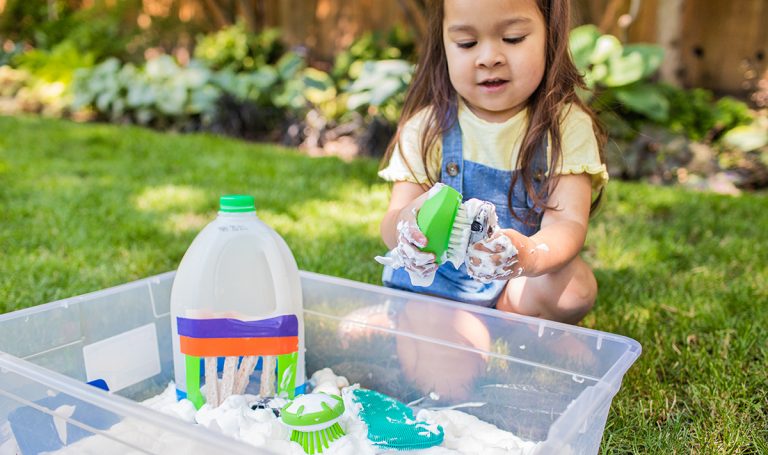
(501, 256)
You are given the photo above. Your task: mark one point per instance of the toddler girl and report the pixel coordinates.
(493, 112)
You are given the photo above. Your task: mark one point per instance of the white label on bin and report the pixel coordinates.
(125, 359)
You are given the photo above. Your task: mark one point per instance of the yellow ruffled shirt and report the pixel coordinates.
(497, 145)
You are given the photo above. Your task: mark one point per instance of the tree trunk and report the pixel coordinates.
(248, 12)
(612, 11)
(416, 15)
(669, 17)
(218, 13)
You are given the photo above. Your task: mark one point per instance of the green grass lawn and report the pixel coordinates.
(85, 207)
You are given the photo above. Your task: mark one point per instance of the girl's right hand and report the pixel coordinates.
(420, 265)
(410, 240)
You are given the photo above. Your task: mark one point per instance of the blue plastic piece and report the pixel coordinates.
(99, 384)
(36, 433)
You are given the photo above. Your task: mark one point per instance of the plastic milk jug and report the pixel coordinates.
(237, 293)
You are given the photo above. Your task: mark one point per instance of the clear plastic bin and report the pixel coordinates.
(546, 382)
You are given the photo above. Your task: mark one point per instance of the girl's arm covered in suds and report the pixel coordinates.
(405, 196)
(563, 229)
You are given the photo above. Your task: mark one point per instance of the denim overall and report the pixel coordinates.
(475, 180)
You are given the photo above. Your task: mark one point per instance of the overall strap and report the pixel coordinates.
(452, 166)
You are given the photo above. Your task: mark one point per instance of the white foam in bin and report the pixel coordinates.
(545, 382)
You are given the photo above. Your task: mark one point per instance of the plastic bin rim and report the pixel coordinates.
(611, 379)
(119, 405)
(65, 302)
(633, 346)
(628, 357)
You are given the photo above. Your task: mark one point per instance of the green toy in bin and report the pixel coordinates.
(314, 420)
(391, 424)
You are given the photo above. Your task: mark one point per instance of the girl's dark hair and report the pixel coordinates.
(431, 88)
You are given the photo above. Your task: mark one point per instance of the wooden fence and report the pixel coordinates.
(721, 45)
(717, 44)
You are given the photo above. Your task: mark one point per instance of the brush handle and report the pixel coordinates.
(435, 219)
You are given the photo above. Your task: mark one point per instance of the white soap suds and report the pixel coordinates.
(326, 381)
(541, 246)
(464, 433)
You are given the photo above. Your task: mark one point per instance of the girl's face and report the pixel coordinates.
(496, 53)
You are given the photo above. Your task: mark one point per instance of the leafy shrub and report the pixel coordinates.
(55, 65)
(730, 113)
(277, 85)
(259, 100)
(380, 89)
(748, 138)
(619, 75)
(697, 115)
(321, 92)
(235, 49)
(102, 29)
(21, 20)
(621, 78)
(289, 92)
(48, 77)
(253, 86)
(161, 93)
(274, 93)
(397, 44)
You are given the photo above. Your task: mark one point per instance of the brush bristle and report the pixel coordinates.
(460, 226)
(459, 240)
(316, 441)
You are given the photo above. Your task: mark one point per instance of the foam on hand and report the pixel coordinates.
(494, 261)
(420, 265)
(451, 227)
(480, 217)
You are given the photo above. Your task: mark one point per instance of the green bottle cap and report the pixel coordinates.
(236, 203)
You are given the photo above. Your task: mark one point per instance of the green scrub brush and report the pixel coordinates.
(391, 424)
(445, 223)
(314, 420)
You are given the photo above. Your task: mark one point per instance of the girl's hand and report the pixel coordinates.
(421, 266)
(503, 255)
(410, 240)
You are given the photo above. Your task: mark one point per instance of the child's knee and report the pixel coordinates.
(576, 301)
(559, 298)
